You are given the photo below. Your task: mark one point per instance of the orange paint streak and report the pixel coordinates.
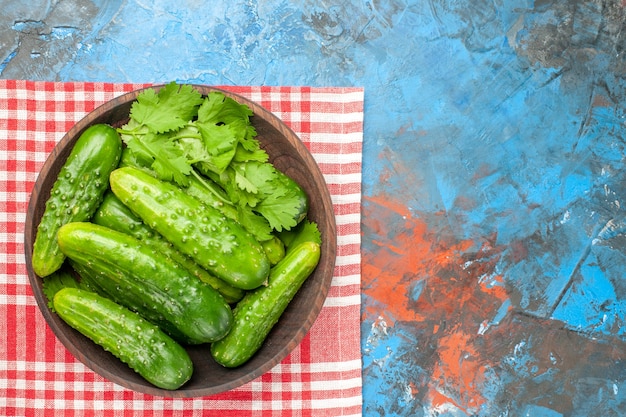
(413, 255)
(496, 288)
(460, 366)
(397, 264)
(391, 205)
(457, 291)
(438, 400)
(388, 294)
(602, 101)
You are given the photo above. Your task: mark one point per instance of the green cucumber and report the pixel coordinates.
(205, 190)
(209, 193)
(259, 310)
(217, 243)
(274, 249)
(76, 192)
(140, 344)
(98, 281)
(140, 278)
(113, 214)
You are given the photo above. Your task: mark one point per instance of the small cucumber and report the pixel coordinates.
(259, 310)
(113, 214)
(274, 249)
(138, 343)
(218, 244)
(136, 276)
(77, 192)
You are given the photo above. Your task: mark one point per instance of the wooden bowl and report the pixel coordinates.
(289, 155)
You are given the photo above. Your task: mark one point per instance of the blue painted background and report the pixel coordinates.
(493, 172)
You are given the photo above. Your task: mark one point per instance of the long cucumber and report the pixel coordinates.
(208, 192)
(134, 275)
(205, 190)
(114, 214)
(259, 310)
(97, 281)
(218, 244)
(76, 192)
(138, 343)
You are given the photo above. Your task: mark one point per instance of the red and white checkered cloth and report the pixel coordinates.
(38, 376)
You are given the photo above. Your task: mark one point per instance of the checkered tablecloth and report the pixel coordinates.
(38, 376)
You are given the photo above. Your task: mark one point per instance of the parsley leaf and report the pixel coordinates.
(254, 223)
(280, 210)
(220, 141)
(178, 133)
(257, 175)
(305, 231)
(170, 165)
(169, 109)
(167, 159)
(57, 281)
(218, 108)
(254, 154)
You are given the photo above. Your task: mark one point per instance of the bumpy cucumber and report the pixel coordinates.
(259, 310)
(206, 191)
(136, 276)
(211, 194)
(113, 214)
(274, 249)
(218, 244)
(77, 192)
(98, 281)
(138, 343)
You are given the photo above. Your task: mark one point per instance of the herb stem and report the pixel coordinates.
(146, 148)
(210, 188)
(186, 135)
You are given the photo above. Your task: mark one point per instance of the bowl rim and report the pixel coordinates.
(329, 245)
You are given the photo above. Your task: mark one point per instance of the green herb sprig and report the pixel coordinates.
(179, 133)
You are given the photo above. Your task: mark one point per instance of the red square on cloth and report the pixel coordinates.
(39, 377)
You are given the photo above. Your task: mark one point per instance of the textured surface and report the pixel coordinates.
(493, 173)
